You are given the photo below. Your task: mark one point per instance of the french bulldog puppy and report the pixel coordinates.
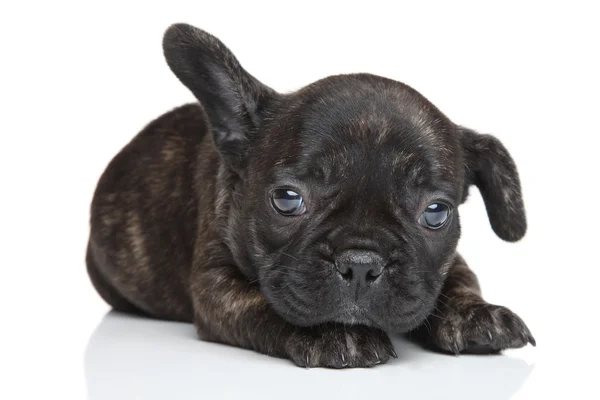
(305, 225)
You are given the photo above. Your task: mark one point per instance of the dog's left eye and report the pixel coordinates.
(435, 216)
(287, 202)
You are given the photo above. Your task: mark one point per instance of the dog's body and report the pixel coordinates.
(304, 225)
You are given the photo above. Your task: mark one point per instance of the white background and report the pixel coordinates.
(77, 81)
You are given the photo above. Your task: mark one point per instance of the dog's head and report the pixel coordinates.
(345, 196)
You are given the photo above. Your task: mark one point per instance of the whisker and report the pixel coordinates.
(289, 255)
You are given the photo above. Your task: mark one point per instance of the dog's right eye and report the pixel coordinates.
(287, 202)
(435, 216)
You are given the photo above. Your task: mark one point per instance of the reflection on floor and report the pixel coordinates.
(129, 357)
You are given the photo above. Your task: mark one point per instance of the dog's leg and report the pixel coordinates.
(229, 309)
(465, 323)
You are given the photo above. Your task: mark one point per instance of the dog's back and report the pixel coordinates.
(144, 217)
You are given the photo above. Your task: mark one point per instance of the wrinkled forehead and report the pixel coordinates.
(347, 128)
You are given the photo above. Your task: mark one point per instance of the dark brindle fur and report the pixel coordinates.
(182, 227)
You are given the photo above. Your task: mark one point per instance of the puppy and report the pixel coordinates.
(307, 225)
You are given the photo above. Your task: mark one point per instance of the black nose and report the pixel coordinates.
(359, 266)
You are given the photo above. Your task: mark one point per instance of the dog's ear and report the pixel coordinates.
(491, 168)
(231, 97)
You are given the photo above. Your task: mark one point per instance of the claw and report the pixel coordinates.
(455, 349)
(378, 359)
(393, 353)
(307, 362)
(344, 362)
(531, 340)
(490, 336)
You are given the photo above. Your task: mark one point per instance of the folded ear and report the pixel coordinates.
(231, 97)
(491, 168)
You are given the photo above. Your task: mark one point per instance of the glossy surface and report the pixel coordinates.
(130, 357)
(435, 216)
(287, 202)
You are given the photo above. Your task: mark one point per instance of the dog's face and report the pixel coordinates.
(350, 209)
(346, 191)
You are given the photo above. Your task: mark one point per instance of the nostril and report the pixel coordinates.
(347, 275)
(373, 275)
(344, 270)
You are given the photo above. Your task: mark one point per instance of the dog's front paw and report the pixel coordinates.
(338, 346)
(480, 328)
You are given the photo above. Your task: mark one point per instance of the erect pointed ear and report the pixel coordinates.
(231, 97)
(491, 168)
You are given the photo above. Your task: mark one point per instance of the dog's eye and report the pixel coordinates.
(435, 216)
(287, 202)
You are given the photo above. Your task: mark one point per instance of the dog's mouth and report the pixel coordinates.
(351, 312)
(300, 313)
(354, 314)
